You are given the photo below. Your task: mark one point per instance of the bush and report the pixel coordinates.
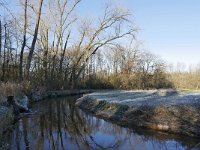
(12, 89)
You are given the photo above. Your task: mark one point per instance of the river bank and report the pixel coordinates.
(163, 110)
(58, 124)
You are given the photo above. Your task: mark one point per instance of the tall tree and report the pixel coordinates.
(63, 54)
(46, 49)
(62, 17)
(0, 40)
(44, 33)
(24, 41)
(111, 23)
(4, 53)
(30, 56)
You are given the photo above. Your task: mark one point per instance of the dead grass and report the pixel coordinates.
(13, 89)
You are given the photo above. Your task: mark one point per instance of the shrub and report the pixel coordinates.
(10, 89)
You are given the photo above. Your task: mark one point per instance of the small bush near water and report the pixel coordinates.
(9, 89)
(6, 114)
(13, 89)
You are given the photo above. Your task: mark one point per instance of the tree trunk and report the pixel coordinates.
(4, 54)
(72, 78)
(0, 41)
(63, 55)
(45, 56)
(30, 56)
(24, 43)
(54, 56)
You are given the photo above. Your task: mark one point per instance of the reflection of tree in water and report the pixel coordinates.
(61, 125)
(62, 122)
(80, 127)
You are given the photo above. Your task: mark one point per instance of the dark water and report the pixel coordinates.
(60, 125)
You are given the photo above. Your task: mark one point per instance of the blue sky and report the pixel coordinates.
(170, 28)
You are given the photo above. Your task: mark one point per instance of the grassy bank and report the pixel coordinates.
(170, 113)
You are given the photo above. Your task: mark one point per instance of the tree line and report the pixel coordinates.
(50, 44)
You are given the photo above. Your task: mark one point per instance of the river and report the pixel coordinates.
(58, 124)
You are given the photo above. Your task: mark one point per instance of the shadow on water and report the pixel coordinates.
(60, 125)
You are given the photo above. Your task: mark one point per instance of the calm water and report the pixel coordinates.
(58, 124)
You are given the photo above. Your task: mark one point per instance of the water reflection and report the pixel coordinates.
(60, 125)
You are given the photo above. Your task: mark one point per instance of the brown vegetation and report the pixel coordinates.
(9, 89)
(188, 80)
(94, 60)
(64, 51)
(61, 50)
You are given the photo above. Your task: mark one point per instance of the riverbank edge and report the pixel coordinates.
(171, 119)
(7, 116)
(38, 95)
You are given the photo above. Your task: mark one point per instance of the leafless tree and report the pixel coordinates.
(67, 51)
(0, 40)
(44, 33)
(4, 53)
(111, 23)
(30, 56)
(24, 41)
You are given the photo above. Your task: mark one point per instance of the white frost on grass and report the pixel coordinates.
(146, 97)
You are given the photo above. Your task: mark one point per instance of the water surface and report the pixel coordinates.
(58, 124)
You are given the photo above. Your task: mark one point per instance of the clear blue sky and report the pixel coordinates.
(169, 28)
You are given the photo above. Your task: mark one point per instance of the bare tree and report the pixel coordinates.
(30, 56)
(45, 54)
(111, 23)
(0, 40)
(66, 51)
(61, 16)
(4, 53)
(24, 41)
(63, 54)
(44, 40)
